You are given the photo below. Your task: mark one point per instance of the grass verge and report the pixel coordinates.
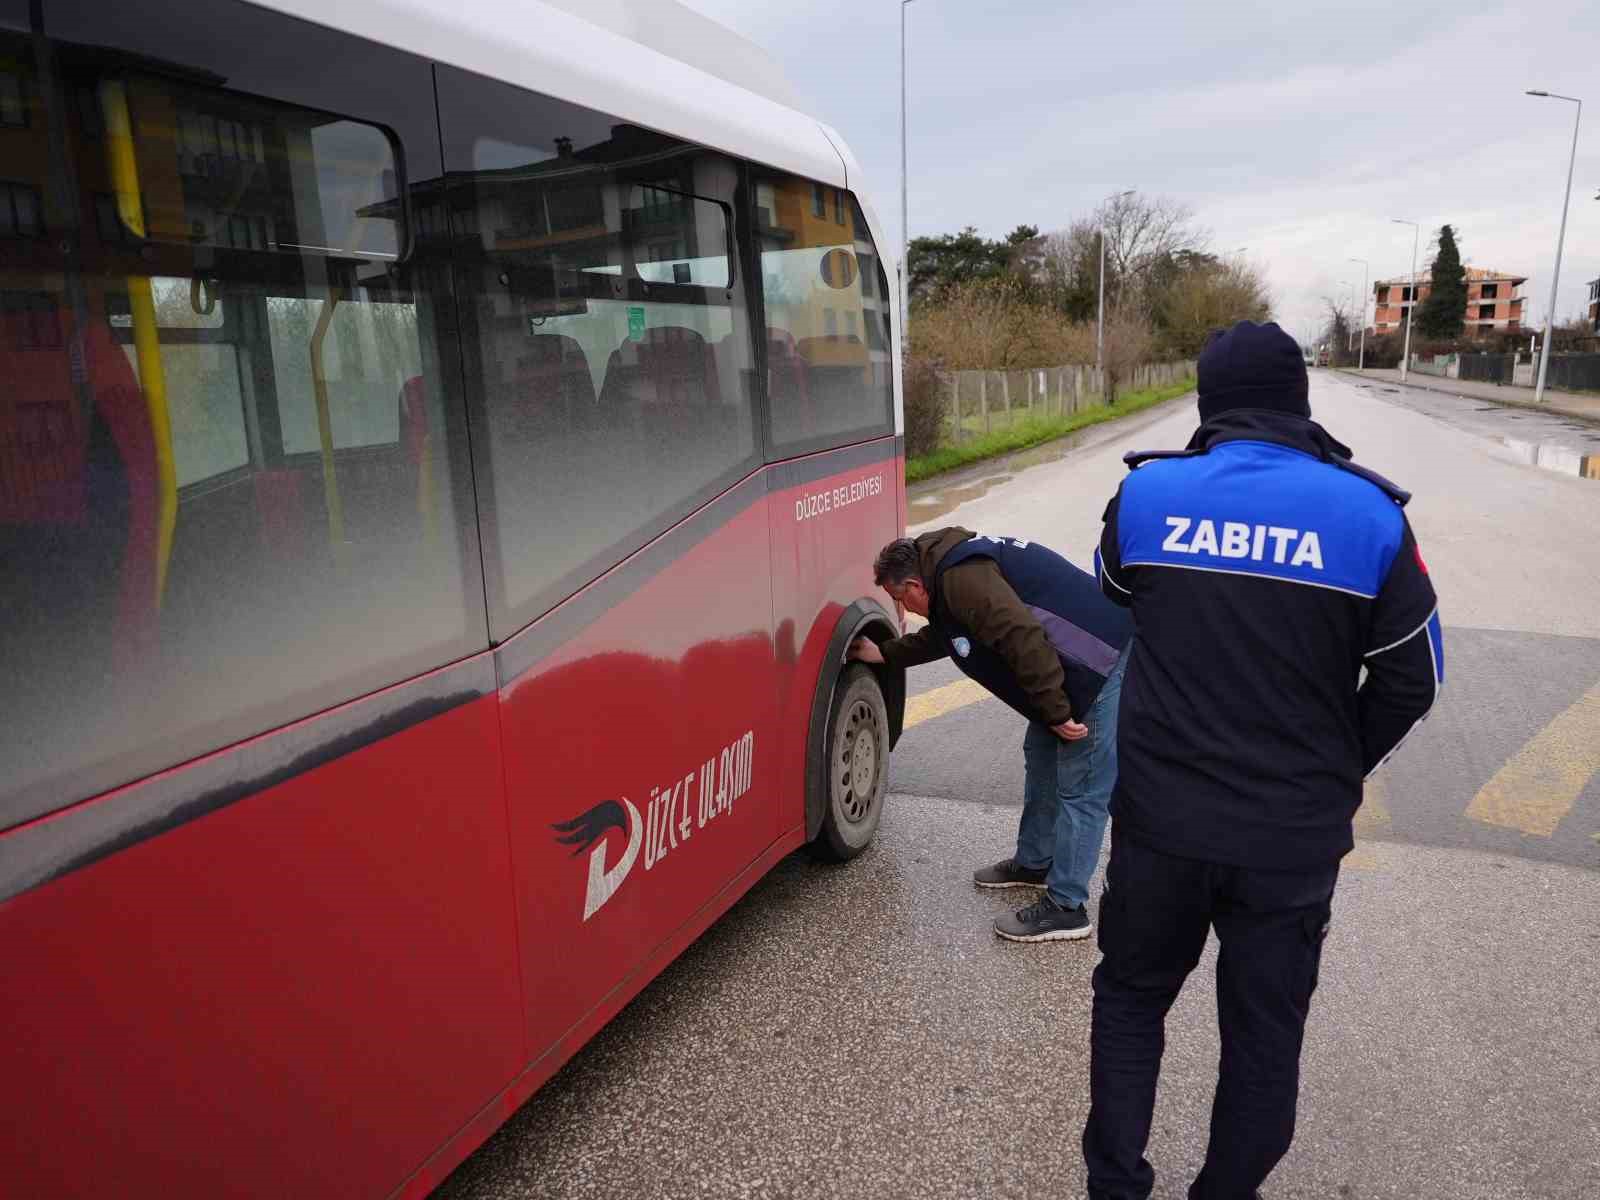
(1032, 431)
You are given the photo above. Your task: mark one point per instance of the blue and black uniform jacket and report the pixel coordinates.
(1086, 633)
(1266, 572)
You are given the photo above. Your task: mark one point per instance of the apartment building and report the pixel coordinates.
(1594, 305)
(1495, 303)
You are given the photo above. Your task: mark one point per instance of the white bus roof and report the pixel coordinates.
(654, 63)
(688, 36)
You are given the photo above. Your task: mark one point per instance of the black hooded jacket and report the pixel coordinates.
(1267, 574)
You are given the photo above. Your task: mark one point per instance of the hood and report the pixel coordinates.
(1252, 366)
(934, 545)
(1297, 433)
(1265, 425)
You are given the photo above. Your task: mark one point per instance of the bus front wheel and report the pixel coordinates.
(857, 758)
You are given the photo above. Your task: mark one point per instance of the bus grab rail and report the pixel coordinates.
(146, 332)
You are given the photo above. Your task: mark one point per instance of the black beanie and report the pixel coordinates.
(1253, 366)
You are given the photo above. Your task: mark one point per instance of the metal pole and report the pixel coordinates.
(1555, 275)
(1361, 362)
(1100, 318)
(905, 236)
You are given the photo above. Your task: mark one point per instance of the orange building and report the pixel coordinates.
(1495, 303)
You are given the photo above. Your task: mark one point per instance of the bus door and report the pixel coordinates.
(610, 359)
(834, 495)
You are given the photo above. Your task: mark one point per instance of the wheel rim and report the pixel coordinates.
(856, 762)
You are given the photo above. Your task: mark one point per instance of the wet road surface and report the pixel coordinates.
(858, 1031)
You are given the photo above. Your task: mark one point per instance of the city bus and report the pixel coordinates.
(442, 453)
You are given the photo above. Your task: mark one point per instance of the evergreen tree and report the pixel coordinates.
(1443, 312)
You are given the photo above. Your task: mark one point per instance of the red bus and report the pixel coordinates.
(441, 458)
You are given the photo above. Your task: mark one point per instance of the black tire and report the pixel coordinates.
(856, 759)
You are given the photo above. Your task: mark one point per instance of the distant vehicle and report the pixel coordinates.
(443, 449)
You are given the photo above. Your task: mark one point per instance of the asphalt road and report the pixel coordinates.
(858, 1031)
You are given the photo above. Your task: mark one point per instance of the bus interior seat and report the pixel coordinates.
(63, 475)
(670, 375)
(553, 385)
(787, 381)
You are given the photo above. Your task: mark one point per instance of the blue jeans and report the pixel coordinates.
(1065, 795)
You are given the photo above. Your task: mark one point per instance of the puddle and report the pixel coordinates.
(1563, 460)
(947, 499)
(941, 500)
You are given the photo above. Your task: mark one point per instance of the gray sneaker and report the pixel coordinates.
(1044, 921)
(1007, 874)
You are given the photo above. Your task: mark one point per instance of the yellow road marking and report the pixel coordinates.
(940, 700)
(1540, 783)
(1373, 815)
(1372, 818)
(1363, 858)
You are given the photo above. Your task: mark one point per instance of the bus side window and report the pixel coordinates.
(606, 338)
(829, 379)
(231, 488)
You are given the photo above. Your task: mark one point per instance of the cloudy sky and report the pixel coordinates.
(1295, 129)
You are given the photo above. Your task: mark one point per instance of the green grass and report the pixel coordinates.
(1033, 430)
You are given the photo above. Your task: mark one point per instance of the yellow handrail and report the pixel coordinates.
(146, 334)
(319, 384)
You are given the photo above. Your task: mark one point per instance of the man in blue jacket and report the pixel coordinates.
(1032, 628)
(1266, 572)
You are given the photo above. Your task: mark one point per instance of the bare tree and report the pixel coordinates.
(1337, 330)
(1140, 232)
(1129, 343)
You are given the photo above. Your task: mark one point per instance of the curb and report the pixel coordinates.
(1504, 402)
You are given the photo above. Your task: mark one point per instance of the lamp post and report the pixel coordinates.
(905, 233)
(1416, 234)
(1555, 275)
(1100, 318)
(1366, 274)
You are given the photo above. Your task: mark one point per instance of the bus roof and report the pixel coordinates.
(652, 62)
(679, 32)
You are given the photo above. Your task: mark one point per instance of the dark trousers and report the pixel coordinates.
(1154, 917)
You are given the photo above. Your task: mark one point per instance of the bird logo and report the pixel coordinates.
(587, 831)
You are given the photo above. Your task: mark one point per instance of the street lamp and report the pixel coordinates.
(1100, 319)
(1555, 275)
(1416, 234)
(905, 235)
(1366, 274)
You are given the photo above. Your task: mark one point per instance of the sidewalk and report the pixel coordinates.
(1585, 406)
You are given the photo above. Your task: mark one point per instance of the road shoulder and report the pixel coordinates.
(1576, 405)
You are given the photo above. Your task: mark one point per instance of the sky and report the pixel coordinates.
(1294, 129)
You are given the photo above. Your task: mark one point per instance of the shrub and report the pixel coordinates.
(926, 406)
(995, 325)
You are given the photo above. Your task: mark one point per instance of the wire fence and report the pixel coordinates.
(979, 402)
